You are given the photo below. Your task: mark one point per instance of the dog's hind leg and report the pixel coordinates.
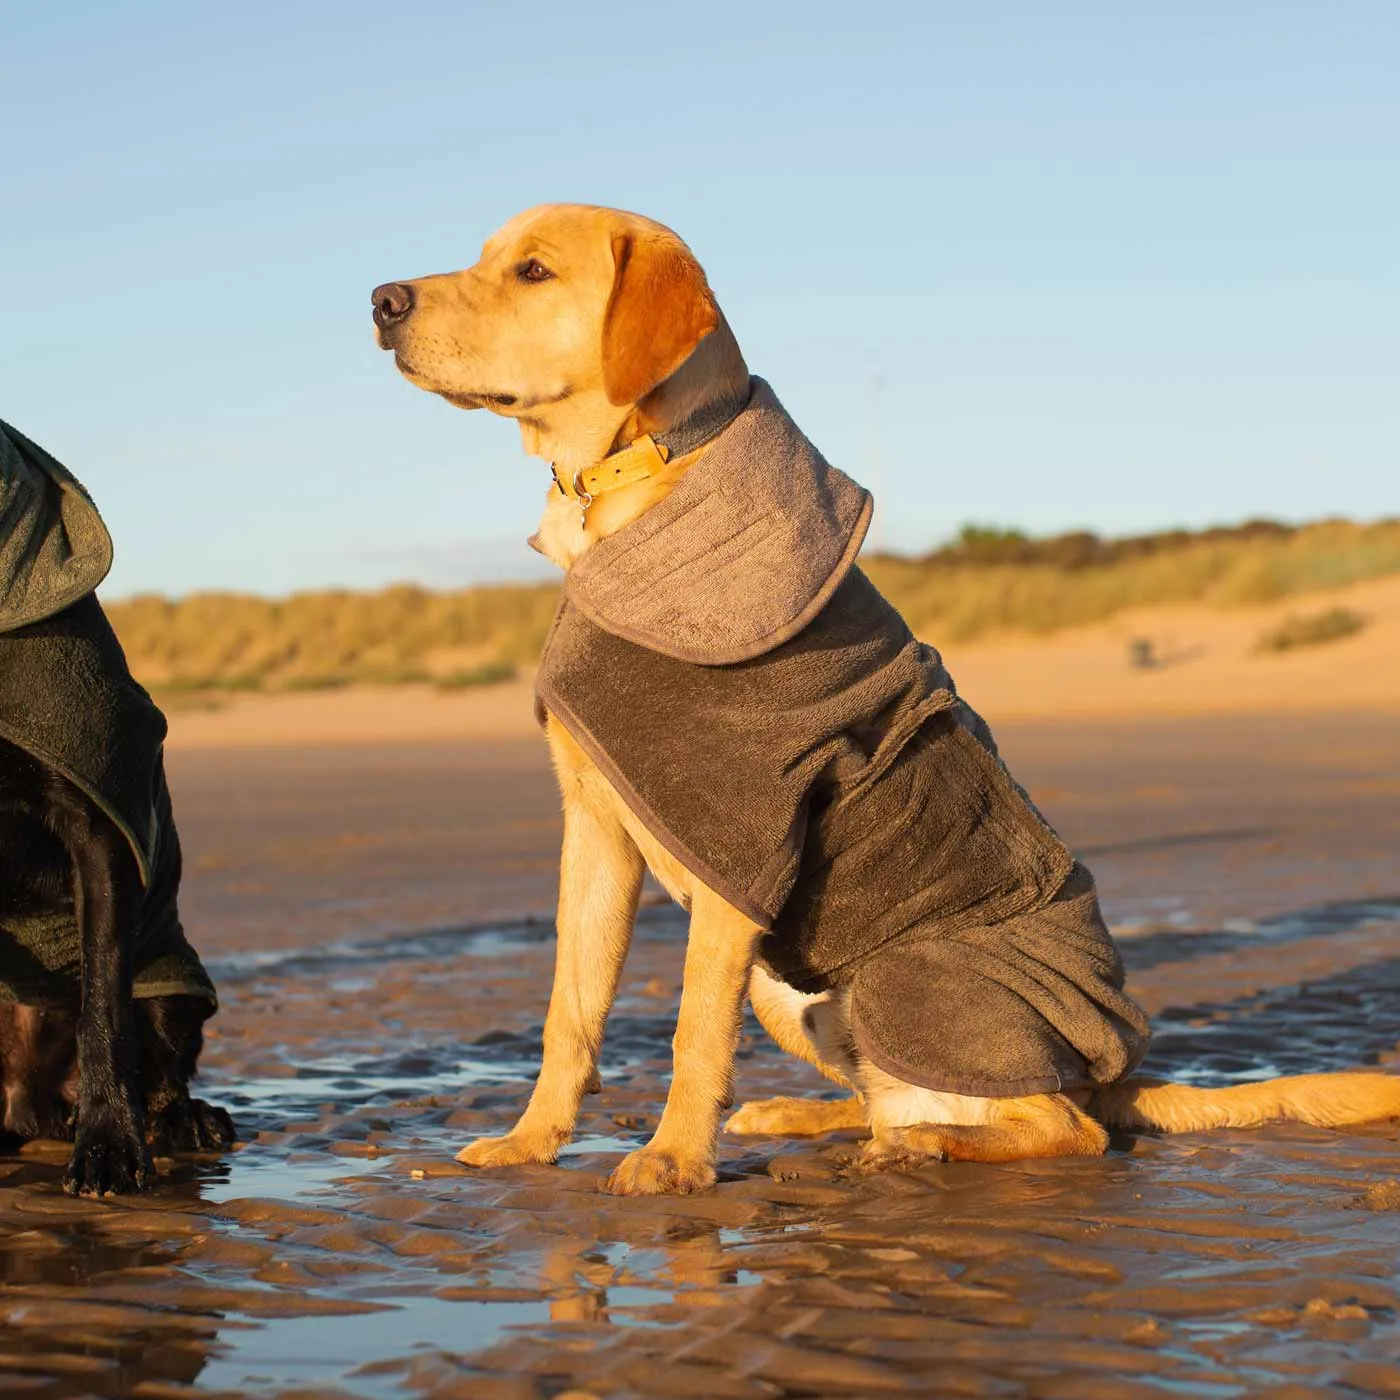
(808, 1026)
(789, 1117)
(110, 1152)
(813, 1026)
(913, 1125)
(171, 1034)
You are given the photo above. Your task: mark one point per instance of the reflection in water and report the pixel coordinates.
(64, 1271)
(101, 1360)
(576, 1284)
(325, 1351)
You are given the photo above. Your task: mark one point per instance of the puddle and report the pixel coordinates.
(586, 1143)
(324, 1351)
(359, 1083)
(484, 941)
(253, 1171)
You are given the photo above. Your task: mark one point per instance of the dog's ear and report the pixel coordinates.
(661, 308)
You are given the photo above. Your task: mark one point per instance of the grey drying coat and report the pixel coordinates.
(768, 716)
(68, 699)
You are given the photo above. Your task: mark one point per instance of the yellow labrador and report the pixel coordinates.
(597, 331)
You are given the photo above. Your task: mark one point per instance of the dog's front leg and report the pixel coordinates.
(600, 881)
(109, 1152)
(718, 958)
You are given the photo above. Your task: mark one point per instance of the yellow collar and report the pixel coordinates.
(640, 459)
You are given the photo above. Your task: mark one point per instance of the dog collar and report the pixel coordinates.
(640, 459)
(644, 456)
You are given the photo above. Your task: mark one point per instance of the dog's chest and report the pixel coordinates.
(670, 874)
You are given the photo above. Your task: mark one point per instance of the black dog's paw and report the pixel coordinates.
(191, 1125)
(108, 1161)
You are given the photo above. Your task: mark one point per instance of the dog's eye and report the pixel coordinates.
(533, 271)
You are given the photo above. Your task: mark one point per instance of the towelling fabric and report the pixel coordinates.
(68, 699)
(769, 718)
(54, 548)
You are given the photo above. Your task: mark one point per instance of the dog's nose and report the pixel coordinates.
(392, 302)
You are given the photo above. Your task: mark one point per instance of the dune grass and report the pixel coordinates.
(986, 581)
(1312, 629)
(323, 641)
(991, 581)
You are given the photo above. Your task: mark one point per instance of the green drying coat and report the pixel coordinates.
(68, 699)
(770, 719)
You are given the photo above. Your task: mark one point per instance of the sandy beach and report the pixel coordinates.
(370, 877)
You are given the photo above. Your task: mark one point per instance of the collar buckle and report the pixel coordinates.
(642, 458)
(584, 497)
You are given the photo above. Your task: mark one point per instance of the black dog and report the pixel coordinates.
(102, 1001)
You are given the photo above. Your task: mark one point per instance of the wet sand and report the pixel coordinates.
(359, 905)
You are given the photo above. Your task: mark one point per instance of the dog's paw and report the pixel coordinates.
(761, 1117)
(785, 1117)
(191, 1125)
(653, 1171)
(108, 1161)
(897, 1148)
(513, 1150)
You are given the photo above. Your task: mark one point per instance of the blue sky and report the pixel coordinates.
(1076, 265)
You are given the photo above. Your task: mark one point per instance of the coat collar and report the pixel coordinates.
(740, 556)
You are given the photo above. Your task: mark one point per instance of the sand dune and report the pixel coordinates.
(1209, 665)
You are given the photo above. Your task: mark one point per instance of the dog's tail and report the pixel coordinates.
(1326, 1100)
